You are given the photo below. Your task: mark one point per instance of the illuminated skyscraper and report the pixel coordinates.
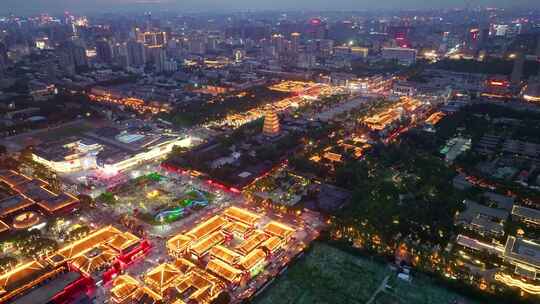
(152, 39)
(295, 42)
(278, 41)
(316, 29)
(239, 55)
(271, 124)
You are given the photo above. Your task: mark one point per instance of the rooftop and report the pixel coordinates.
(253, 258)
(46, 292)
(241, 215)
(124, 287)
(474, 209)
(207, 227)
(278, 229)
(162, 277)
(18, 279)
(224, 270)
(28, 192)
(523, 251)
(528, 214)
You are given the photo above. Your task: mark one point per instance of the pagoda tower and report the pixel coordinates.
(271, 124)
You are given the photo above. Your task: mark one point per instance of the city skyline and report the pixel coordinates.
(227, 152)
(55, 6)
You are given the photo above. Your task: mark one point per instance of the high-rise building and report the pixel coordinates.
(136, 53)
(316, 29)
(517, 71)
(306, 60)
(170, 66)
(3, 56)
(79, 56)
(500, 29)
(538, 49)
(278, 42)
(212, 42)
(72, 56)
(268, 49)
(104, 51)
(67, 63)
(295, 42)
(152, 38)
(158, 57)
(197, 45)
(342, 32)
(320, 47)
(473, 39)
(271, 124)
(404, 56)
(239, 55)
(400, 35)
(484, 37)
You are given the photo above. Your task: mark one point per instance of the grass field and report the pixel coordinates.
(329, 275)
(421, 290)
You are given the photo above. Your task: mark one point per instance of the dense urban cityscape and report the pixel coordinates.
(152, 154)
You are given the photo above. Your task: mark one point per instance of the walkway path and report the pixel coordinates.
(379, 289)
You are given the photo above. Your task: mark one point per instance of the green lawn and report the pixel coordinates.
(329, 275)
(326, 275)
(420, 291)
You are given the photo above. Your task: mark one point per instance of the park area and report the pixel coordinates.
(328, 275)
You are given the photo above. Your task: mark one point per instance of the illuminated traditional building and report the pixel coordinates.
(225, 271)
(241, 215)
(237, 230)
(100, 249)
(252, 242)
(25, 277)
(254, 262)
(200, 248)
(125, 289)
(179, 245)
(271, 124)
(206, 286)
(280, 230)
(225, 254)
(209, 226)
(216, 254)
(184, 265)
(161, 278)
(4, 227)
(61, 271)
(273, 244)
(95, 259)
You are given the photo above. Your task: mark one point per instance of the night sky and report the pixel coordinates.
(30, 6)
